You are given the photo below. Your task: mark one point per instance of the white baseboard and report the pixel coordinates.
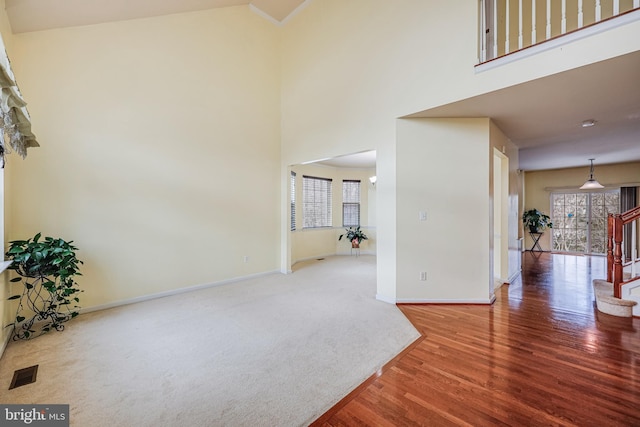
(385, 299)
(5, 343)
(330, 255)
(487, 301)
(173, 292)
(514, 276)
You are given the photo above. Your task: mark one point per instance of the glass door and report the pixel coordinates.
(580, 220)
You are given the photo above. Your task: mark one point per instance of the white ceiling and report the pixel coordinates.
(541, 117)
(35, 15)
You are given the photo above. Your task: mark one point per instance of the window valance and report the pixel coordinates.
(15, 123)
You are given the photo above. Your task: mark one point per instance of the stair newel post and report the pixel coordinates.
(617, 256)
(610, 222)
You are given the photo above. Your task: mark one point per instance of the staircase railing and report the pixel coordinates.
(615, 237)
(507, 26)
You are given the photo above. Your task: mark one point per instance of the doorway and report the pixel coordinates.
(580, 220)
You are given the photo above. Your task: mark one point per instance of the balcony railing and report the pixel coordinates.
(507, 26)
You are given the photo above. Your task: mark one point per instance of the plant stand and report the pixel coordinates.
(535, 236)
(40, 306)
(355, 248)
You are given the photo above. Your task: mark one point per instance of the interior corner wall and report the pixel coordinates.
(6, 307)
(160, 149)
(443, 169)
(503, 144)
(308, 243)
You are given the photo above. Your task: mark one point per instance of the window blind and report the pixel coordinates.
(293, 201)
(351, 203)
(316, 202)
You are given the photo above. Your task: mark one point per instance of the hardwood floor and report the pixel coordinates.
(540, 355)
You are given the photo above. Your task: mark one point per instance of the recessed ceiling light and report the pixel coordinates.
(588, 123)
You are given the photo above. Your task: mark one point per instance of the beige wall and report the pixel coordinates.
(314, 242)
(6, 308)
(160, 149)
(437, 179)
(539, 184)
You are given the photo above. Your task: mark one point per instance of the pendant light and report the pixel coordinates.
(591, 183)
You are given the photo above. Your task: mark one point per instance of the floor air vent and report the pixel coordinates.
(24, 376)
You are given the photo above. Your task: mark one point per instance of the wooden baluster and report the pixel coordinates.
(483, 31)
(616, 7)
(598, 10)
(563, 26)
(610, 248)
(495, 28)
(617, 256)
(534, 33)
(580, 14)
(520, 28)
(507, 34)
(549, 19)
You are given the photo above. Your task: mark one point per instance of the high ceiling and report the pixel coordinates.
(35, 15)
(542, 117)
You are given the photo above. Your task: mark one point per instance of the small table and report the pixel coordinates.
(536, 241)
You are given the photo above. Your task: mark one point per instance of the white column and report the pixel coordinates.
(507, 33)
(616, 7)
(598, 11)
(580, 14)
(563, 26)
(495, 28)
(548, 19)
(483, 31)
(520, 37)
(534, 33)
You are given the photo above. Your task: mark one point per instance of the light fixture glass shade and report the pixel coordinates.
(373, 179)
(591, 183)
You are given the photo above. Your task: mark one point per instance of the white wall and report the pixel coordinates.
(452, 245)
(160, 149)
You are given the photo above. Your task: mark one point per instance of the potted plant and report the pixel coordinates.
(49, 297)
(536, 221)
(354, 235)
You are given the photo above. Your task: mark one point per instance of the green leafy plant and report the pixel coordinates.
(47, 270)
(354, 234)
(536, 221)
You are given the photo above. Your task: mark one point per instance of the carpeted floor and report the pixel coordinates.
(273, 351)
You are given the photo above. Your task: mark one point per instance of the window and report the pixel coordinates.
(350, 203)
(293, 201)
(316, 202)
(580, 220)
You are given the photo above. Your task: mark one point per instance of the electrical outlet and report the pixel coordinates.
(423, 276)
(422, 215)
(245, 258)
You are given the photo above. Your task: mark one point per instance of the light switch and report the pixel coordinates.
(422, 215)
